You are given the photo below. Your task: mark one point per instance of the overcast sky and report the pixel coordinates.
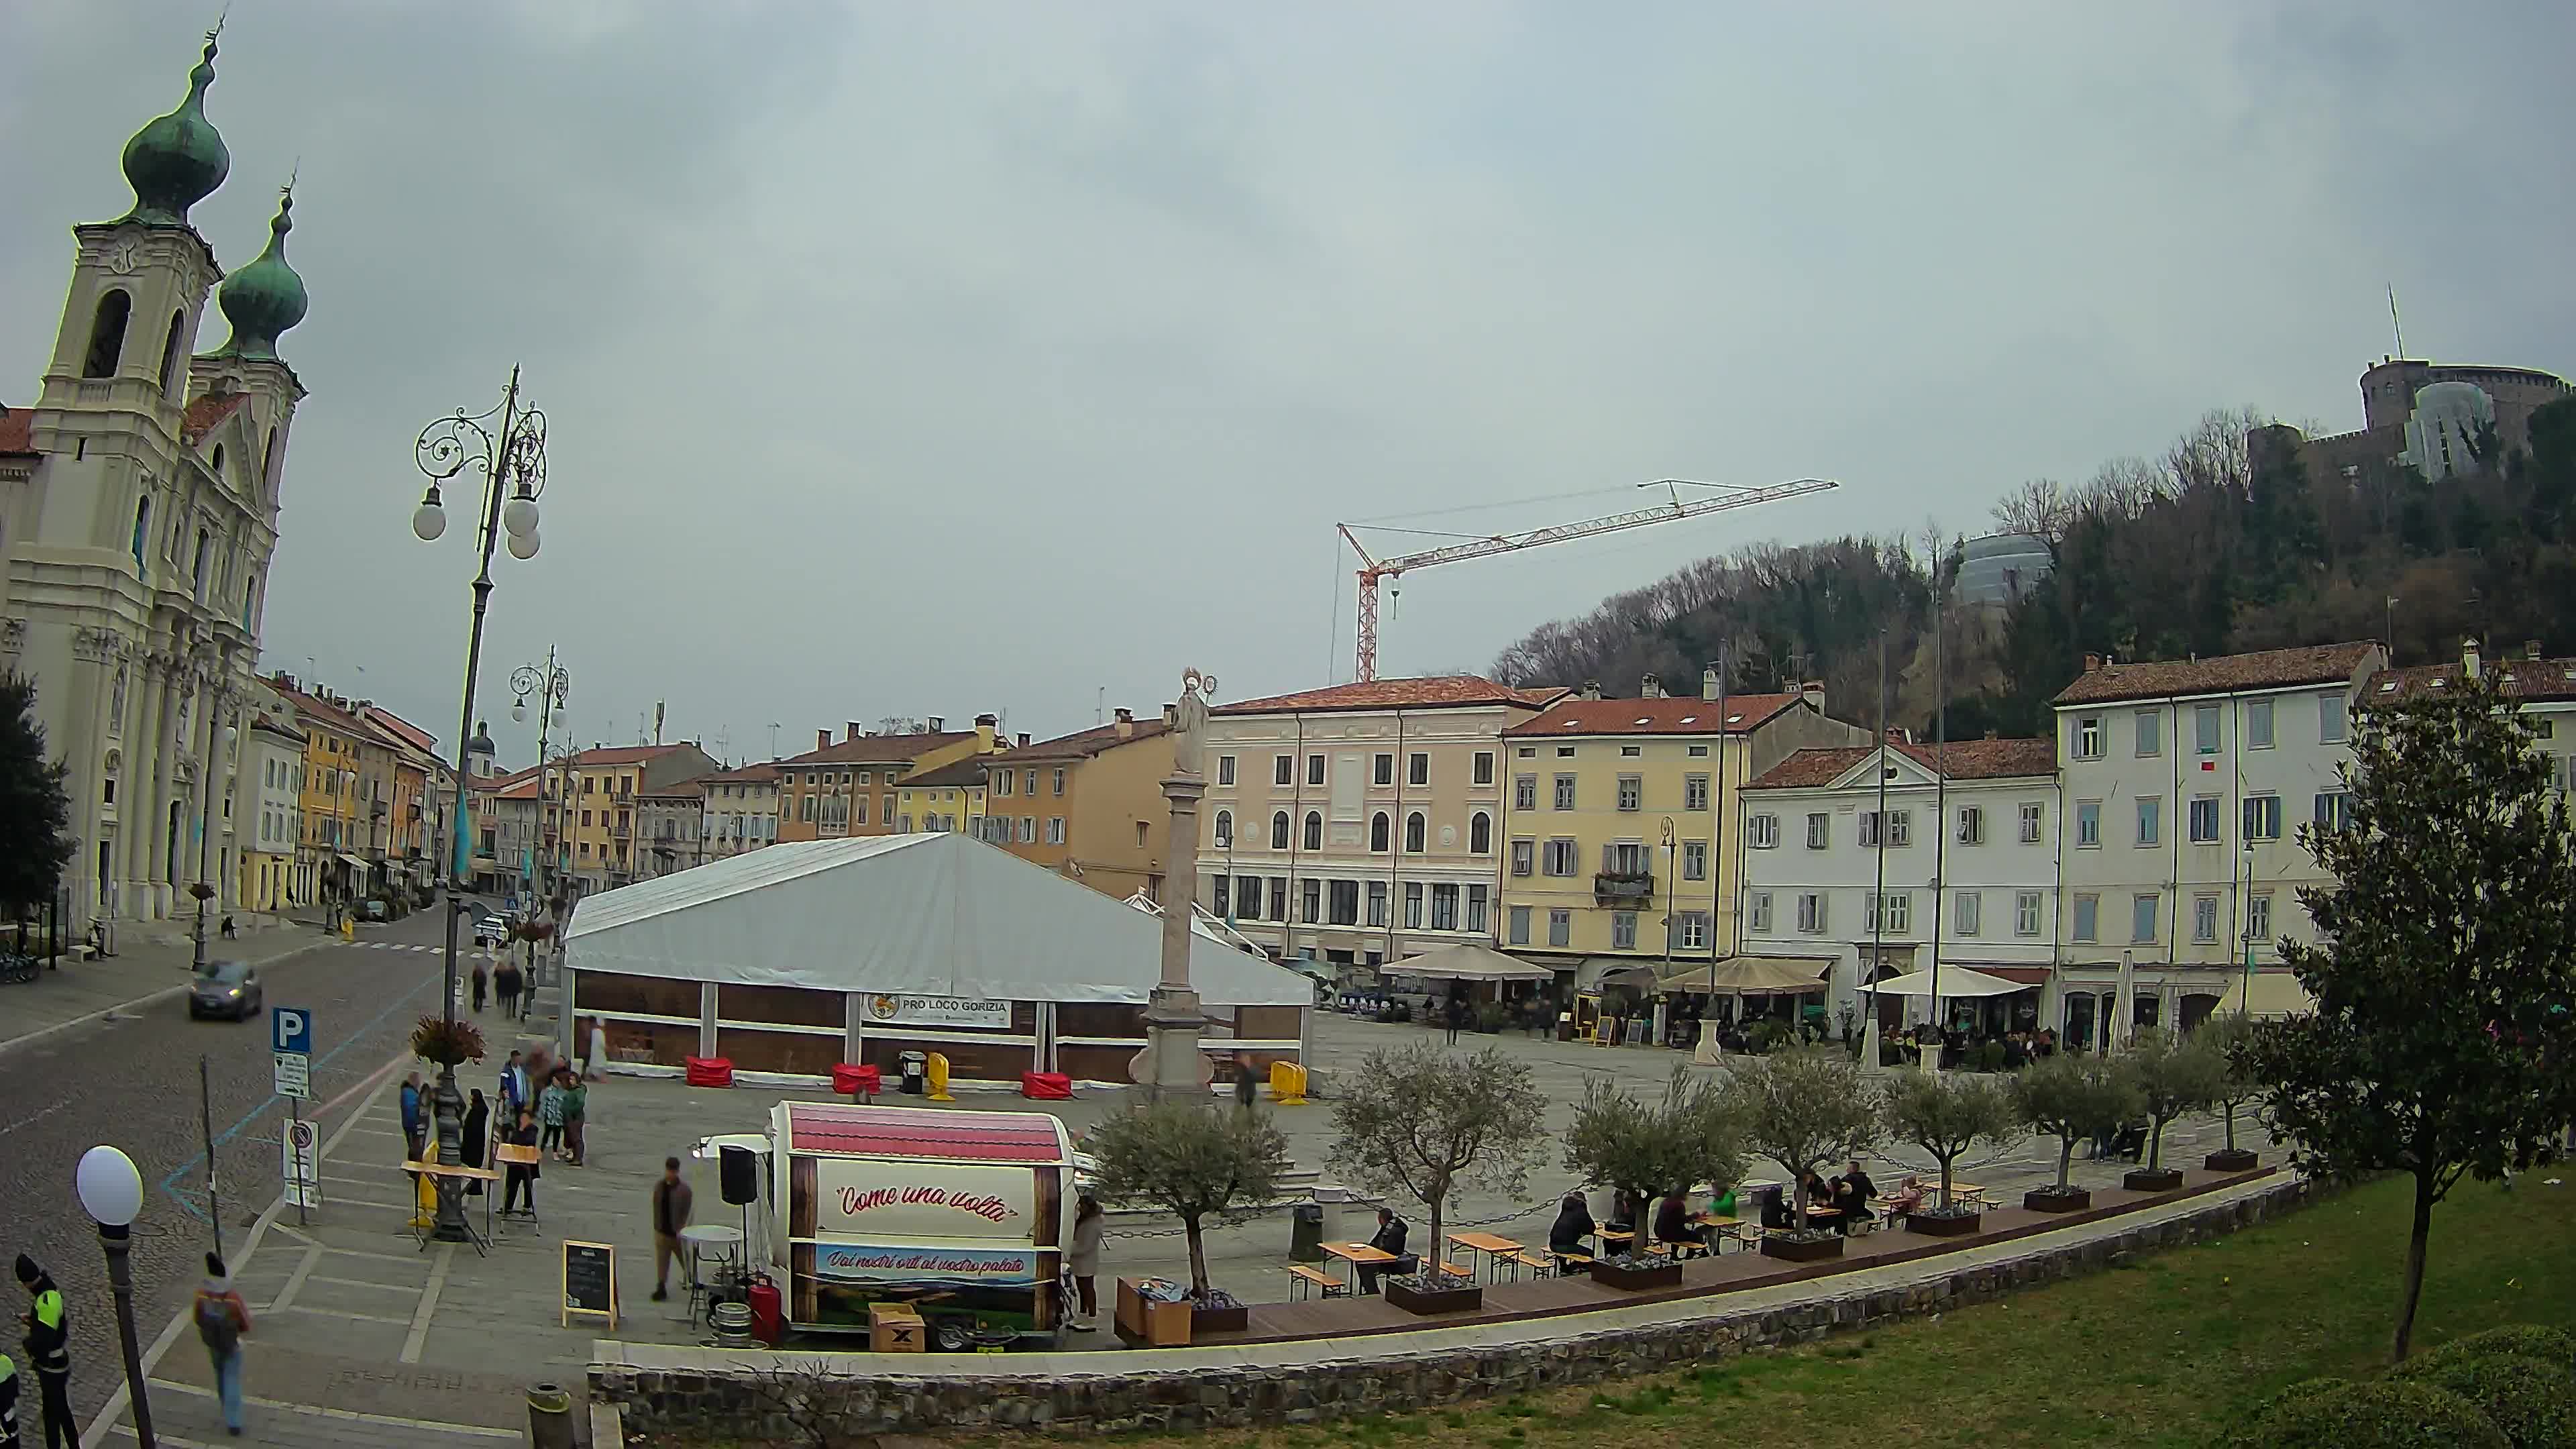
(931, 359)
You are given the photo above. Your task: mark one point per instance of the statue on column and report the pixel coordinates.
(1189, 720)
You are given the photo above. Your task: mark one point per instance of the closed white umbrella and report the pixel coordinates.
(2124, 1008)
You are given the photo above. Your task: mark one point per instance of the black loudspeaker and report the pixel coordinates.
(738, 1174)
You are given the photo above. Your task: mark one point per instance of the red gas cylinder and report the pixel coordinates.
(768, 1312)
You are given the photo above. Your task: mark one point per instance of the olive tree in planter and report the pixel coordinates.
(1425, 1121)
(1195, 1164)
(1946, 1114)
(2071, 1097)
(1802, 1107)
(2174, 1075)
(2229, 1036)
(1642, 1150)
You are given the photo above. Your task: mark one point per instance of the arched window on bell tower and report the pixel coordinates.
(107, 333)
(142, 528)
(170, 354)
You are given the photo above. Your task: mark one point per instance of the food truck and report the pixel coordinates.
(963, 1216)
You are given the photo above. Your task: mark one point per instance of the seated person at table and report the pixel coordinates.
(1852, 1192)
(1908, 1196)
(1820, 1193)
(1572, 1230)
(1673, 1225)
(1388, 1239)
(1623, 1212)
(1778, 1210)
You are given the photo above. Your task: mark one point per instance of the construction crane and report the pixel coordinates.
(1373, 569)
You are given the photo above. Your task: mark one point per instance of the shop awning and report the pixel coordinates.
(1633, 974)
(1751, 976)
(1955, 981)
(1467, 961)
(2274, 993)
(356, 863)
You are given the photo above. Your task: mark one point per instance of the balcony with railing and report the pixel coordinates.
(1621, 887)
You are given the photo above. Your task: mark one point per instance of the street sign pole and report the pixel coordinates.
(291, 1052)
(294, 1132)
(206, 1124)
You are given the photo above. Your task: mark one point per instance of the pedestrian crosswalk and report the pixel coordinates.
(397, 946)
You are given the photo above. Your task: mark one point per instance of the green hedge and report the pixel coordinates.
(2384, 1414)
(2521, 1340)
(2527, 1398)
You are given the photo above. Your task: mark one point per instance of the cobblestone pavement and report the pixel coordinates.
(130, 1079)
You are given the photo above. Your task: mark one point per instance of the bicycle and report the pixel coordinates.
(17, 969)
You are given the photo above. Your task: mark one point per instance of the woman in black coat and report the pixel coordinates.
(1572, 1230)
(478, 1133)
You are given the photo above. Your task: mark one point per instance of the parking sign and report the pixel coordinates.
(290, 1029)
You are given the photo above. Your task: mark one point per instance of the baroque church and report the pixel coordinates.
(138, 515)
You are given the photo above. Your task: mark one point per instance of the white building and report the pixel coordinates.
(271, 810)
(1359, 824)
(138, 513)
(1961, 867)
(2546, 689)
(2185, 782)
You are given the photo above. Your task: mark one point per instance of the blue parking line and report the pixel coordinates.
(169, 1184)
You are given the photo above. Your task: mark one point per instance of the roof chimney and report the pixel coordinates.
(1126, 724)
(1708, 682)
(2531, 649)
(1171, 716)
(850, 730)
(1023, 740)
(938, 724)
(2469, 657)
(2092, 663)
(1592, 689)
(987, 729)
(822, 739)
(1813, 691)
(1650, 687)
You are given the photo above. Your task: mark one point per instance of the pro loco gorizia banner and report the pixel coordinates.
(953, 1011)
(927, 1266)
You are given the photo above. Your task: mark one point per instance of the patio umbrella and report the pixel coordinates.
(2124, 1006)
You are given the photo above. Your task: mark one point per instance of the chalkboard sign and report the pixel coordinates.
(590, 1281)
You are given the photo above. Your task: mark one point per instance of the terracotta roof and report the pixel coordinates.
(320, 708)
(17, 431)
(207, 412)
(948, 776)
(1965, 759)
(1439, 691)
(620, 755)
(1693, 716)
(1082, 744)
(276, 726)
(522, 789)
(878, 749)
(682, 790)
(2265, 669)
(764, 773)
(2526, 679)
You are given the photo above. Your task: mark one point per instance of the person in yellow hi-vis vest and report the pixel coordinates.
(48, 1345)
(8, 1403)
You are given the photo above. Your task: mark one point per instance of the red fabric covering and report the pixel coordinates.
(1046, 1086)
(710, 1071)
(851, 1079)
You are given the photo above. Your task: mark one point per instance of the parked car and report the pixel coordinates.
(224, 988)
(492, 930)
(373, 910)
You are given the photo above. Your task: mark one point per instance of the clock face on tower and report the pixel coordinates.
(124, 257)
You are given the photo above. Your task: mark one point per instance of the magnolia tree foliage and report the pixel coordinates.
(1424, 1121)
(2071, 1097)
(2173, 1075)
(1948, 1113)
(1802, 1108)
(1191, 1162)
(2443, 1042)
(1640, 1148)
(35, 813)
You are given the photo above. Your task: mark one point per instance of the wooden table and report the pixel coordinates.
(1614, 1235)
(519, 1155)
(1486, 1243)
(1725, 1228)
(1359, 1255)
(1961, 1192)
(459, 1173)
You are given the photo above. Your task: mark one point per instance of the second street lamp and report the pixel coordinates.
(513, 463)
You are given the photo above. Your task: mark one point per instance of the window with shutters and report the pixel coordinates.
(1967, 912)
(1519, 926)
(1762, 832)
(1525, 792)
(1623, 930)
(2088, 917)
(1524, 856)
(1811, 912)
(1560, 927)
(2262, 817)
(1694, 860)
(1632, 792)
(2026, 910)
(1972, 825)
(1820, 830)
(1694, 792)
(2204, 919)
(1562, 856)
(1565, 792)
(1757, 909)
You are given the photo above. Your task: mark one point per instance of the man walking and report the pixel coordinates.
(222, 1318)
(413, 1142)
(48, 1345)
(670, 1215)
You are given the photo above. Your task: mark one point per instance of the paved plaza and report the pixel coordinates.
(365, 1338)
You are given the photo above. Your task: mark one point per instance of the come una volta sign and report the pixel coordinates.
(883, 1200)
(938, 1011)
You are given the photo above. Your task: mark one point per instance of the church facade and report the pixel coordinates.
(138, 516)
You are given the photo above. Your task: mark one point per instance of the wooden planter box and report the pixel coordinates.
(1788, 1251)
(2152, 1179)
(1662, 1275)
(1960, 1226)
(1237, 1319)
(1433, 1300)
(1147, 1324)
(2049, 1200)
(2235, 1159)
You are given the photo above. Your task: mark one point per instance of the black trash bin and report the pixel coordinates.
(916, 1068)
(1306, 1233)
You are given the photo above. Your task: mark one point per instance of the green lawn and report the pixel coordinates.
(2155, 1353)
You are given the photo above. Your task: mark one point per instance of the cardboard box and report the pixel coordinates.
(896, 1328)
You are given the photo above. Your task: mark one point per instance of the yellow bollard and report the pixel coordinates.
(1287, 1084)
(424, 1204)
(935, 1070)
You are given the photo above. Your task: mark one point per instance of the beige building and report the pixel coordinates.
(1362, 823)
(848, 788)
(1620, 848)
(741, 810)
(1087, 805)
(594, 827)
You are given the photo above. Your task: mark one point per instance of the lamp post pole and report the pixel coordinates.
(513, 464)
(111, 1192)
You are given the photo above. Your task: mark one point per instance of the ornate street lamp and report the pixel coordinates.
(552, 688)
(508, 446)
(111, 1192)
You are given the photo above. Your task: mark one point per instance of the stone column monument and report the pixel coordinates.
(1171, 1066)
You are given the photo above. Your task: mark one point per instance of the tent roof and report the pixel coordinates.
(2273, 993)
(932, 914)
(1955, 981)
(1468, 961)
(1755, 975)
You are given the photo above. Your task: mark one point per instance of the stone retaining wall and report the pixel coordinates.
(738, 1401)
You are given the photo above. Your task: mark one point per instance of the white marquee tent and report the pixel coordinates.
(940, 915)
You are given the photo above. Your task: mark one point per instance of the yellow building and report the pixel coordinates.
(946, 797)
(1615, 814)
(849, 788)
(328, 867)
(591, 795)
(1088, 805)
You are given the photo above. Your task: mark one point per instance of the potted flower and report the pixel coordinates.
(2071, 1097)
(1636, 1272)
(1946, 1114)
(447, 1043)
